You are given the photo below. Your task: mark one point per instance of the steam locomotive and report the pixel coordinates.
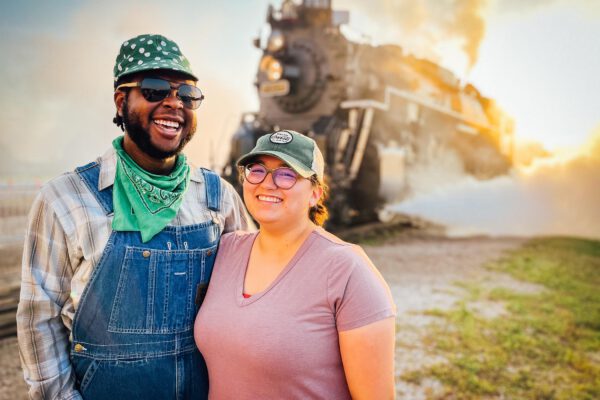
(380, 116)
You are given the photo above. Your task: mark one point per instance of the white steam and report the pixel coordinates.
(553, 197)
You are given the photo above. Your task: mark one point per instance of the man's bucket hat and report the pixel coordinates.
(150, 52)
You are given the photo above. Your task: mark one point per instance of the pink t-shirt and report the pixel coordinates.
(282, 343)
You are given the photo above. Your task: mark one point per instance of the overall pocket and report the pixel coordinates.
(129, 379)
(156, 289)
(84, 368)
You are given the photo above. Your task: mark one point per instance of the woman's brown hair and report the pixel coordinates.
(318, 213)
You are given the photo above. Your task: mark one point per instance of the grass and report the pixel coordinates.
(547, 345)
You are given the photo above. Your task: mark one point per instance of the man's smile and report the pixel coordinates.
(167, 124)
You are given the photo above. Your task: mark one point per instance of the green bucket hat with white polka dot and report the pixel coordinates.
(149, 52)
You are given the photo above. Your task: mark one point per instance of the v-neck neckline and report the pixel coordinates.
(239, 287)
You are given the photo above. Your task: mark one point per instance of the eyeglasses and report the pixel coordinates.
(283, 177)
(155, 90)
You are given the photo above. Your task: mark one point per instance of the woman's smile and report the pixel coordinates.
(269, 199)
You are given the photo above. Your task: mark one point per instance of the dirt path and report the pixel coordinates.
(421, 274)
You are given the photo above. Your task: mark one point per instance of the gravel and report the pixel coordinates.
(12, 385)
(422, 274)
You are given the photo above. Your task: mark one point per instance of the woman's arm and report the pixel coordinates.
(368, 358)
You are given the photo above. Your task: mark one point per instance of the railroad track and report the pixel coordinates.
(400, 226)
(9, 298)
(10, 284)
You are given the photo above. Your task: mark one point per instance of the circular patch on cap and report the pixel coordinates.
(282, 137)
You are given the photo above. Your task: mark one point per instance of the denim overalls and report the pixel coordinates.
(132, 334)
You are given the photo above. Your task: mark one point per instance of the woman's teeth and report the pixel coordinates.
(269, 199)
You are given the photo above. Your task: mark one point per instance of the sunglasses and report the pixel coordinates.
(155, 90)
(283, 177)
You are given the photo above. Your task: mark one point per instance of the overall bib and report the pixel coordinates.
(132, 334)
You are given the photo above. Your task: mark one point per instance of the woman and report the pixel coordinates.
(293, 312)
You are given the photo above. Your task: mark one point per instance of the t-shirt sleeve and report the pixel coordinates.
(228, 243)
(234, 210)
(226, 240)
(357, 292)
(229, 246)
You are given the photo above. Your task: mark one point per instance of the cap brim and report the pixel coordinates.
(295, 165)
(158, 70)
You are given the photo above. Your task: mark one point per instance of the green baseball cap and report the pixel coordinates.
(298, 151)
(150, 52)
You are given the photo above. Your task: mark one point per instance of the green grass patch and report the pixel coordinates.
(547, 347)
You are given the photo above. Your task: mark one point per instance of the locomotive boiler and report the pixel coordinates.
(379, 115)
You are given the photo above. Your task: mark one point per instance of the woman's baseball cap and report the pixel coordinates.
(298, 151)
(150, 52)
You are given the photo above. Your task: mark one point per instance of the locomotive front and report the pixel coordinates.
(301, 74)
(380, 116)
(301, 80)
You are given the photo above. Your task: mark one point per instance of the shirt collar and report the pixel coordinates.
(108, 169)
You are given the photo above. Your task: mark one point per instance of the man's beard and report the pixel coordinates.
(141, 137)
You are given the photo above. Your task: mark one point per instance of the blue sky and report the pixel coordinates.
(539, 59)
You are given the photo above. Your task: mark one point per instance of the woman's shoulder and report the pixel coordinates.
(356, 291)
(331, 242)
(236, 237)
(342, 254)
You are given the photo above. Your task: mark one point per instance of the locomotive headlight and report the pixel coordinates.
(275, 71)
(276, 41)
(271, 67)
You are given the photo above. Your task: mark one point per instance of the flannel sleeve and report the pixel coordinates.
(45, 287)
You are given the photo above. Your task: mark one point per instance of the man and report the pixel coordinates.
(118, 253)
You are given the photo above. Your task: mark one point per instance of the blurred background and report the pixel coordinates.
(536, 61)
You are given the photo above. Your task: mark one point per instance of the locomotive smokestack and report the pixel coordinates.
(317, 3)
(469, 25)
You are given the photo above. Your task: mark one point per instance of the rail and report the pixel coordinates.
(9, 299)
(15, 202)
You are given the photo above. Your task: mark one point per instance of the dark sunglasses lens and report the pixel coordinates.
(285, 178)
(190, 95)
(155, 90)
(255, 173)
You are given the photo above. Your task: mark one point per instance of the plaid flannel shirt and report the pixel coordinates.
(63, 244)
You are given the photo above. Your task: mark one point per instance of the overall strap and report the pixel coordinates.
(213, 189)
(90, 174)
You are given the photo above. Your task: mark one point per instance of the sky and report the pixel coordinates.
(539, 59)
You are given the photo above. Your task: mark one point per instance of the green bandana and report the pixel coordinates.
(143, 201)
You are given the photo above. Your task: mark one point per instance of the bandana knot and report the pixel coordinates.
(143, 201)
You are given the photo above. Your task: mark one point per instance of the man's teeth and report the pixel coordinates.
(169, 124)
(270, 199)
